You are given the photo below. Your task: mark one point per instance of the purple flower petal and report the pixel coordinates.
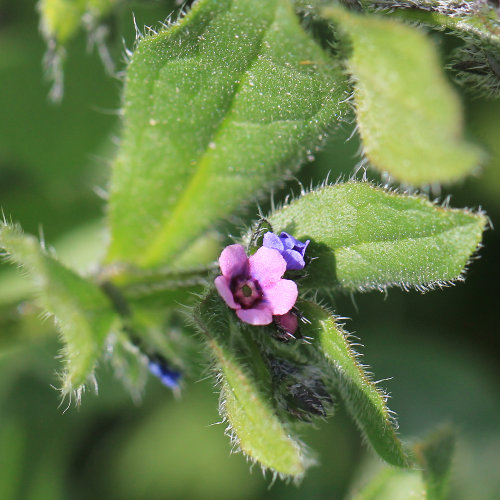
(272, 240)
(281, 297)
(288, 240)
(290, 248)
(233, 261)
(302, 246)
(260, 315)
(291, 242)
(294, 260)
(267, 266)
(222, 285)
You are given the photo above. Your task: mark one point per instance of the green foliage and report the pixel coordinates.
(61, 19)
(245, 397)
(220, 108)
(394, 484)
(429, 483)
(484, 122)
(78, 249)
(217, 108)
(479, 20)
(82, 312)
(435, 456)
(408, 116)
(476, 62)
(364, 237)
(129, 364)
(366, 403)
(203, 251)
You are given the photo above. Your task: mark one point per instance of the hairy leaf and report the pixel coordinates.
(245, 397)
(217, 108)
(364, 237)
(365, 402)
(477, 61)
(81, 310)
(408, 116)
(79, 249)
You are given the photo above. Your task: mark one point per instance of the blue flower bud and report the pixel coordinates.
(159, 368)
(291, 249)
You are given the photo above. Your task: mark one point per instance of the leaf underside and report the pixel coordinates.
(480, 20)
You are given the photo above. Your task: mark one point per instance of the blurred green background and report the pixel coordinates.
(441, 349)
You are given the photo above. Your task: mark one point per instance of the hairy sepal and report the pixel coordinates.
(366, 402)
(245, 403)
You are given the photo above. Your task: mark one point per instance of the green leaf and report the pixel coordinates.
(394, 484)
(161, 331)
(408, 116)
(80, 249)
(364, 237)
(81, 310)
(203, 251)
(477, 60)
(364, 400)
(245, 397)
(217, 108)
(435, 455)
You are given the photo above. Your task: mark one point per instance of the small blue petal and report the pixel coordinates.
(291, 249)
(271, 240)
(288, 240)
(169, 378)
(293, 243)
(294, 260)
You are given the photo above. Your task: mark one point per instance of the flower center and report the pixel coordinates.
(246, 291)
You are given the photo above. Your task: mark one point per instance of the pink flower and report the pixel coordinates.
(253, 286)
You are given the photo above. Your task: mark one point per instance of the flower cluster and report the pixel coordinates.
(254, 286)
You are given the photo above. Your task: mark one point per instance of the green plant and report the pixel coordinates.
(220, 108)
